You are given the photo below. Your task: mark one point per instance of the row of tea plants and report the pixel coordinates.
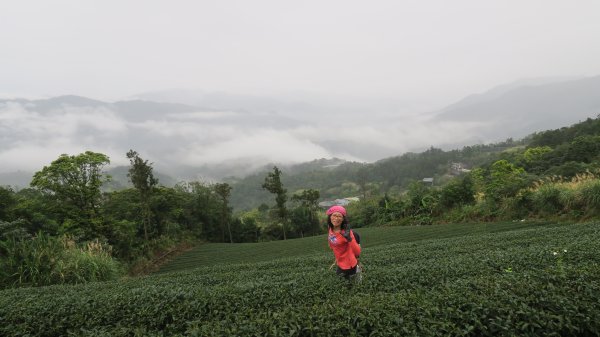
(536, 281)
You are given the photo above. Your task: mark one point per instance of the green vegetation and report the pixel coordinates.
(549, 175)
(494, 179)
(132, 226)
(552, 175)
(273, 185)
(46, 260)
(142, 178)
(390, 175)
(211, 254)
(72, 184)
(470, 280)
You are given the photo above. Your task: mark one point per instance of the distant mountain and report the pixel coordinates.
(191, 135)
(516, 111)
(173, 136)
(500, 90)
(138, 110)
(229, 101)
(44, 105)
(134, 110)
(120, 180)
(316, 165)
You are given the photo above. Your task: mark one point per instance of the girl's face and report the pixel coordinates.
(336, 219)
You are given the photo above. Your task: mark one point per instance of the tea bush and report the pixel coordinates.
(534, 280)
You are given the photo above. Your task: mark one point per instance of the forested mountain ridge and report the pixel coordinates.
(390, 175)
(393, 175)
(332, 177)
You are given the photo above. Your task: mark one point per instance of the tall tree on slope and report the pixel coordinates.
(224, 191)
(142, 178)
(273, 184)
(74, 183)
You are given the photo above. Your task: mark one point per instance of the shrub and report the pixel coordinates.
(590, 196)
(91, 262)
(46, 260)
(28, 262)
(574, 197)
(568, 198)
(546, 200)
(517, 207)
(457, 192)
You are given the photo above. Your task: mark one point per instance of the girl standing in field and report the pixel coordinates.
(344, 242)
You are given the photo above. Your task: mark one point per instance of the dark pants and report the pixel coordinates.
(349, 273)
(346, 273)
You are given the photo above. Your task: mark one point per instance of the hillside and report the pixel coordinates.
(517, 111)
(213, 254)
(392, 175)
(389, 175)
(210, 139)
(120, 180)
(329, 176)
(529, 280)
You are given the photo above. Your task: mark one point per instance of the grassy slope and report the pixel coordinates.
(224, 253)
(469, 280)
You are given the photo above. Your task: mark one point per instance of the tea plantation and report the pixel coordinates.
(453, 280)
(223, 253)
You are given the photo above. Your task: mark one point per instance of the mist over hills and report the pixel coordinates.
(190, 135)
(519, 111)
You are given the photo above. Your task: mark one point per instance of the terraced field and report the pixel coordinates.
(453, 280)
(224, 253)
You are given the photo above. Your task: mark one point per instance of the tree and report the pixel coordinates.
(362, 177)
(141, 176)
(422, 201)
(7, 201)
(121, 213)
(250, 225)
(458, 192)
(273, 184)
(74, 182)
(535, 154)
(223, 190)
(39, 211)
(584, 149)
(505, 180)
(306, 221)
(534, 159)
(204, 210)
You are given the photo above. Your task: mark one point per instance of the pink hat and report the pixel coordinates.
(334, 209)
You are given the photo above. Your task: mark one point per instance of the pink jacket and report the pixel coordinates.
(345, 252)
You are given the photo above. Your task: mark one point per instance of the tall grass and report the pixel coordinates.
(590, 196)
(546, 200)
(28, 261)
(46, 260)
(578, 196)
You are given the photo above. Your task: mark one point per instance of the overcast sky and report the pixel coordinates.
(419, 51)
(375, 66)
